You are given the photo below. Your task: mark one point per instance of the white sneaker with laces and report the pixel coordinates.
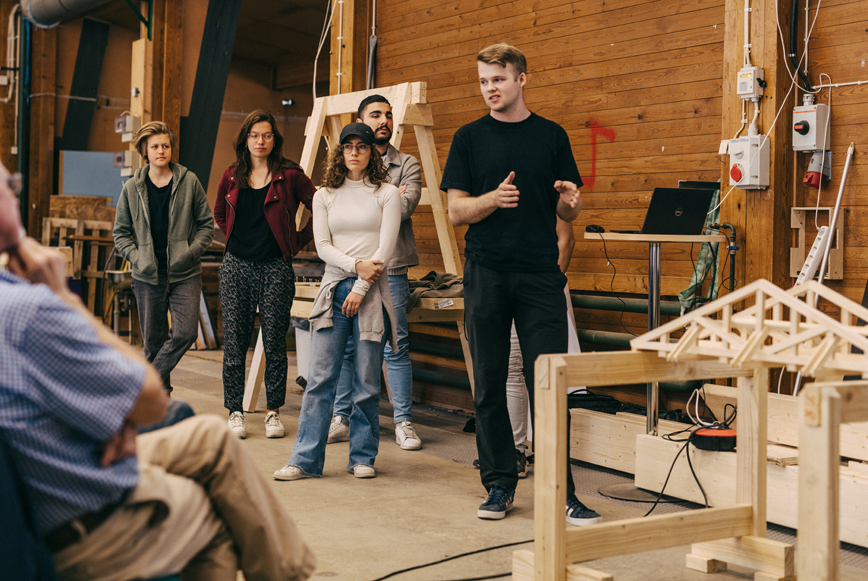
(362, 471)
(339, 431)
(236, 424)
(405, 436)
(273, 426)
(290, 473)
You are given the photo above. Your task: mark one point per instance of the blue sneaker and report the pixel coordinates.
(499, 502)
(580, 515)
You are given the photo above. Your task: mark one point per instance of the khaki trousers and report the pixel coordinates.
(202, 509)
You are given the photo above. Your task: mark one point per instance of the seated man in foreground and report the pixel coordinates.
(185, 499)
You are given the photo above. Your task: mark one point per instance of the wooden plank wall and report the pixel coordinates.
(637, 86)
(839, 48)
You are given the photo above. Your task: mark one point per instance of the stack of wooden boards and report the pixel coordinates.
(619, 442)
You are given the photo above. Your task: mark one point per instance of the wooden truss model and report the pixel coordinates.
(783, 328)
(410, 108)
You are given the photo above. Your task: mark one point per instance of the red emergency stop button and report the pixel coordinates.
(735, 173)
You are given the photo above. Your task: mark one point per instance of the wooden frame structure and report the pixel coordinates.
(410, 108)
(824, 407)
(782, 328)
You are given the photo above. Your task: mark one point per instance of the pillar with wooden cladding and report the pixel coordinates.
(349, 42)
(761, 216)
(42, 126)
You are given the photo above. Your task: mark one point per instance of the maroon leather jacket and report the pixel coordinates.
(288, 188)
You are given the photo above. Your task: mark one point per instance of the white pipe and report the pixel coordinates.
(340, 43)
(834, 221)
(12, 56)
(747, 33)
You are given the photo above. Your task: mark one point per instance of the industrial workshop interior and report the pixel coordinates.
(257, 322)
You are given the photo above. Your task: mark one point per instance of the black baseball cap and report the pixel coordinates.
(360, 130)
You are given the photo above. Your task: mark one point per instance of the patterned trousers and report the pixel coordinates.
(244, 286)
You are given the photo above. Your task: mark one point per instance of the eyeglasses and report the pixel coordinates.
(361, 148)
(264, 136)
(15, 182)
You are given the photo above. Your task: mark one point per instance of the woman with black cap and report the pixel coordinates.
(356, 217)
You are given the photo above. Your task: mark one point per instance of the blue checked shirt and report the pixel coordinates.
(62, 392)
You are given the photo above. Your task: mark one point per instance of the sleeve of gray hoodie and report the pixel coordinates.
(203, 220)
(123, 228)
(411, 176)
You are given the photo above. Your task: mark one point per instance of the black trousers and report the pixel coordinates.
(244, 286)
(492, 299)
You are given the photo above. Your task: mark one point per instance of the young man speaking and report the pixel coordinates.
(510, 175)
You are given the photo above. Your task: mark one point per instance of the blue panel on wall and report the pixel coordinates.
(91, 173)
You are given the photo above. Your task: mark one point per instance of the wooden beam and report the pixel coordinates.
(752, 438)
(550, 494)
(595, 369)
(819, 491)
(42, 127)
(636, 535)
(349, 40)
(173, 44)
(759, 553)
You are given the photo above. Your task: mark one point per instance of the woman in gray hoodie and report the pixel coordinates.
(162, 226)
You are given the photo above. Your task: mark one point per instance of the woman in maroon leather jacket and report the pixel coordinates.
(256, 206)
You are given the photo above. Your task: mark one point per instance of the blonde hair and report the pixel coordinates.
(503, 54)
(147, 131)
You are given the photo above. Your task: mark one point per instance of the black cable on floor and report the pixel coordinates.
(476, 552)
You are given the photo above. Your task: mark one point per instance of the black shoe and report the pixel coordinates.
(580, 515)
(499, 502)
(521, 463)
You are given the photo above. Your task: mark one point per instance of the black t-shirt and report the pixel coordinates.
(159, 200)
(251, 238)
(538, 151)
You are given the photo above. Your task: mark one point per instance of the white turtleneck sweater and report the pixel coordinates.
(356, 222)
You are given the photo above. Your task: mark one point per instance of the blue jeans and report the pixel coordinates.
(399, 369)
(327, 344)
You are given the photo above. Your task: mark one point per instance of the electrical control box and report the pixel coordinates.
(127, 125)
(749, 162)
(811, 128)
(129, 161)
(750, 83)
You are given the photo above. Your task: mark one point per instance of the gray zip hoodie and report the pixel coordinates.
(191, 226)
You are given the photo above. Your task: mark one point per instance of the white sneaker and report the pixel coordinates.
(338, 431)
(273, 426)
(236, 424)
(405, 436)
(290, 473)
(362, 471)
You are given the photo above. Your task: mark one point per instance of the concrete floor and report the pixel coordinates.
(422, 505)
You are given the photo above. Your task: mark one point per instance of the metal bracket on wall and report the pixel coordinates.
(149, 21)
(802, 217)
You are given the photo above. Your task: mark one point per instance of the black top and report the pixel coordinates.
(251, 238)
(538, 151)
(159, 200)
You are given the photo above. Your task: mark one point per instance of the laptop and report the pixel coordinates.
(676, 211)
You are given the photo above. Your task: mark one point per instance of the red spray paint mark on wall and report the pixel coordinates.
(596, 129)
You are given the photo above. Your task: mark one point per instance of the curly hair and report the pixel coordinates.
(336, 170)
(276, 161)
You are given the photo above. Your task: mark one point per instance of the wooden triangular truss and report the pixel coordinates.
(410, 108)
(781, 329)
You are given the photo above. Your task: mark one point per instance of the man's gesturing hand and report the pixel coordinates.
(506, 194)
(569, 192)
